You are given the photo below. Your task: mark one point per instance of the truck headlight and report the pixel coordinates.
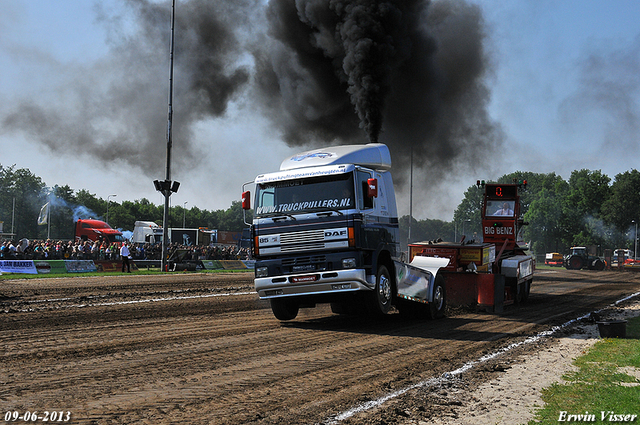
(262, 272)
(349, 263)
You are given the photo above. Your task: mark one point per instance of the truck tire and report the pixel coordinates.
(439, 303)
(284, 309)
(380, 300)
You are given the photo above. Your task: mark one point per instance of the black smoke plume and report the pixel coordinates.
(410, 73)
(115, 110)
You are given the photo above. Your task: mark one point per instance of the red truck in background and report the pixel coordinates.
(97, 230)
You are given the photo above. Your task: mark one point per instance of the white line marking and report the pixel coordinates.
(155, 300)
(150, 300)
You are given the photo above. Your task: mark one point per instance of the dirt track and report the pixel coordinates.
(201, 348)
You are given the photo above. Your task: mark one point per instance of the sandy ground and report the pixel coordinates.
(201, 348)
(513, 397)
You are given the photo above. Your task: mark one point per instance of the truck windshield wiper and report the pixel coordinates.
(279, 216)
(329, 212)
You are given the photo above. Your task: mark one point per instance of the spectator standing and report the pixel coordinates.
(12, 250)
(95, 250)
(87, 250)
(125, 254)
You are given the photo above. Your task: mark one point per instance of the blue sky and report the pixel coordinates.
(564, 87)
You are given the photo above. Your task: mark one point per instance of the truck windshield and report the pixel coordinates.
(500, 208)
(314, 194)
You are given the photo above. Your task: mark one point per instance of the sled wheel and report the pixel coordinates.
(437, 306)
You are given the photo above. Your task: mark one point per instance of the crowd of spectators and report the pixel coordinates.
(88, 250)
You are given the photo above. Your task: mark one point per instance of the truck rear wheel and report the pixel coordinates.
(284, 309)
(439, 303)
(380, 301)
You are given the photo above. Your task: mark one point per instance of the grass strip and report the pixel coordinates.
(601, 390)
(142, 271)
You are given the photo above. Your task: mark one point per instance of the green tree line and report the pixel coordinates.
(23, 194)
(588, 209)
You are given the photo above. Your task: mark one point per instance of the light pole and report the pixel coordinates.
(463, 225)
(108, 202)
(184, 216)
(635, 241)
(167, 187)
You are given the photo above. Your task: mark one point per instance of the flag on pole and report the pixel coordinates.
(43, 218)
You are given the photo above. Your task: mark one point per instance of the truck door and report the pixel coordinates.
(365, 204)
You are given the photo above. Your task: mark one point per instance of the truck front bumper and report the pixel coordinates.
(316, 283)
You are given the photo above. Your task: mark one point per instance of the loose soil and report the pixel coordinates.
(201, 348)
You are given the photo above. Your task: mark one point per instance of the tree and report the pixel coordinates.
(544, 216)
(92, 207)
(121, 216)
(588, 190)
(468, 216)
(536, 182)
(623, 205)
(62, 203)
(232, 219)
(30, 195)
(144, 210)
(582, 208)
(7, 197)
(425, 230)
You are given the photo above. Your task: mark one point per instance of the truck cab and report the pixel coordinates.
(96, 230)
(147, 232)
(502, 224)
(325, 230)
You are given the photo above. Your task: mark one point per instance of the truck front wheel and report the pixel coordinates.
(380, 300)
(284, 309)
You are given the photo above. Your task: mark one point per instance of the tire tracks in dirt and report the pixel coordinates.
(226, 360)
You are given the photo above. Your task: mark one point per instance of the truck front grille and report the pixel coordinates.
(308, 236)
(305, 247)
(304, 240)
(304, 260)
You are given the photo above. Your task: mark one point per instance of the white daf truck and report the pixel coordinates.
(325, 230)
(146, 231)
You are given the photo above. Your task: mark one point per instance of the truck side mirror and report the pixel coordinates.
(372, 188)
(246, 200)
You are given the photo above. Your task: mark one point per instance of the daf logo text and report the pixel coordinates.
(335, 233)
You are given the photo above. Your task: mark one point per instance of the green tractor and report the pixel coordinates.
(581, 258)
